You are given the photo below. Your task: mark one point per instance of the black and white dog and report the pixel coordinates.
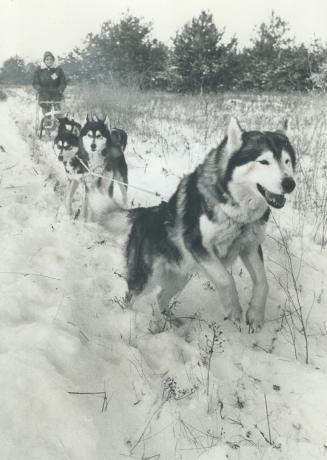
(67, 140)
(98, 162)
(218, 212)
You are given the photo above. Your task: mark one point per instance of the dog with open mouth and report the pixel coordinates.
(218, 213)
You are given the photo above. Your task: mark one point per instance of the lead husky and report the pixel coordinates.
(217, 213)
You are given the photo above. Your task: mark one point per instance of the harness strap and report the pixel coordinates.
(117, 181)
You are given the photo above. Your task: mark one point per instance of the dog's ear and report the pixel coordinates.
(285, 128)
(88, 118)
(234, 136)
(106, 121)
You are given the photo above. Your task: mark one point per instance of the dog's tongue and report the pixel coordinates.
(277, 201)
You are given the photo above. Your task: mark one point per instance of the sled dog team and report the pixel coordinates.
(93, 156)
(218, 212)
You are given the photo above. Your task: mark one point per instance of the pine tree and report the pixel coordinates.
(124, 51)
(197, 54)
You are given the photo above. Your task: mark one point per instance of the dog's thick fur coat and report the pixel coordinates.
(218, 212)
(98, 162)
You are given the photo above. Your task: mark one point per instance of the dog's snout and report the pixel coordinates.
(288, 184)
(93, 146)
(60, 157)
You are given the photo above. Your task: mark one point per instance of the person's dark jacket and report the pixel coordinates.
(50, 83)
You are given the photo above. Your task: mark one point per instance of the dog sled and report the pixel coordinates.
(46, 119)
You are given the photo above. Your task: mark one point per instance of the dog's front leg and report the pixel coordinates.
(123, 190)
(72, 187)
(253, 262)
(85, 203)
(122, 186)
(225, 284)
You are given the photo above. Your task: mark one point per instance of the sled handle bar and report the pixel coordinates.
(50, 102)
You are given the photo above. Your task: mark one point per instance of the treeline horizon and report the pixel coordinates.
(200, 59)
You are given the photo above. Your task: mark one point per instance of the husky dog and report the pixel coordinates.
(98, 160)
(67, 140)
(217, 213)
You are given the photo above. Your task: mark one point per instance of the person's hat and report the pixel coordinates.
(48, 54)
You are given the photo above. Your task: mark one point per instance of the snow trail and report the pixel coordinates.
(64, 332)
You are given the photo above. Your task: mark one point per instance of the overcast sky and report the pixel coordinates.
(28, 27)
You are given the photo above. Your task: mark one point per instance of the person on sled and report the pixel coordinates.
(50, 82)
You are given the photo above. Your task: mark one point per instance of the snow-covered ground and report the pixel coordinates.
(82, 378)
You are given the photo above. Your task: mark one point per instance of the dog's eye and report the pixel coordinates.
(264, 162)
(98, 136)
(287, 161)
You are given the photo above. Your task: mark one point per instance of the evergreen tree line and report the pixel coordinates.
(200, 59)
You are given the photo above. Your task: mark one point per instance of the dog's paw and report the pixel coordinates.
(156, 326)
(255, 320)
(235, 316)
